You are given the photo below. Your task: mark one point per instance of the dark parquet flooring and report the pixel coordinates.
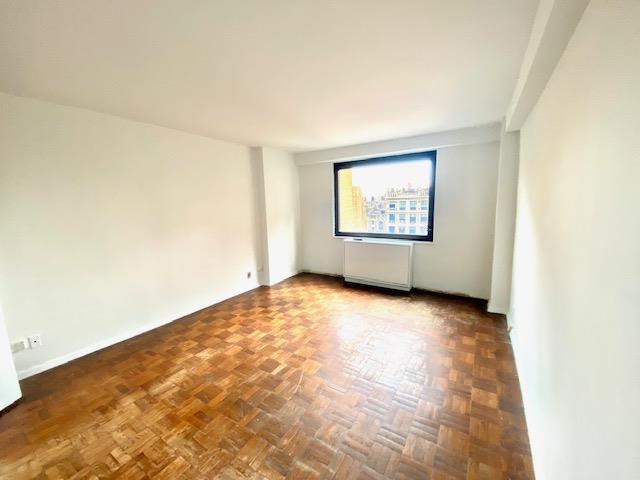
(310, 379)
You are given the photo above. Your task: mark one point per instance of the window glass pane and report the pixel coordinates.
(373, 197)
(412, 230)
(424, 218)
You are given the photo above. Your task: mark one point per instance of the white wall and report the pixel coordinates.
(418, 143)
(459, 260)
(281, 214)
(110, 227)
(554, 23)
(505, 223)
(9, 387)
(576, 284)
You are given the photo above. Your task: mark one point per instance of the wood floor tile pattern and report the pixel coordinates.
(310, 379)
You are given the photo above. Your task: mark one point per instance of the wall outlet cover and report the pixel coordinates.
(34, 341)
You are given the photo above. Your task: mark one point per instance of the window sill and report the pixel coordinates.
(397, 241)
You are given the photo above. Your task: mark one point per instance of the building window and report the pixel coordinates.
(364, 189)
(401, 230)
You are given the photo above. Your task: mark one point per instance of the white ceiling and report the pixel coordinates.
(296, 74)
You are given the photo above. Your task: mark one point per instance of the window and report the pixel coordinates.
(368, 193)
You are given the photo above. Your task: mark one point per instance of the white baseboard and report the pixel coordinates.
(318, 272)
(107, 342)
(282, 278)
(94, 347)
(374, 283)
(493, 308)
(414, 287)
(446, 292)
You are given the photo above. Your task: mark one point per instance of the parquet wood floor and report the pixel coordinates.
(308, 379)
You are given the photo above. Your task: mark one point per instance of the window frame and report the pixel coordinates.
(430, 155)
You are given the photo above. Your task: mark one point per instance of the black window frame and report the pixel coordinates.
(430, 155)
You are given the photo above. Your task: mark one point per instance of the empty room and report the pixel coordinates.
(320, 239)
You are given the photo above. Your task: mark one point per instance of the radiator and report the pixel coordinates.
(378, 262)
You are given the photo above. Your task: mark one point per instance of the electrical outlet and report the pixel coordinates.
(19, 346)
(34, 341)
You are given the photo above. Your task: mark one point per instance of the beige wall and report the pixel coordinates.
(111, 227)
(507, 187)
(575, 295)
(282, 214)
(459, 259)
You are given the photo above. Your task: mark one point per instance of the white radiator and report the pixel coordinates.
(381, 263)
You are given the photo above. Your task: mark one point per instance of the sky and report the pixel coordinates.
(376, 179)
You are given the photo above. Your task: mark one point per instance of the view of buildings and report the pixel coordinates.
(401, 211)
(352, 209)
